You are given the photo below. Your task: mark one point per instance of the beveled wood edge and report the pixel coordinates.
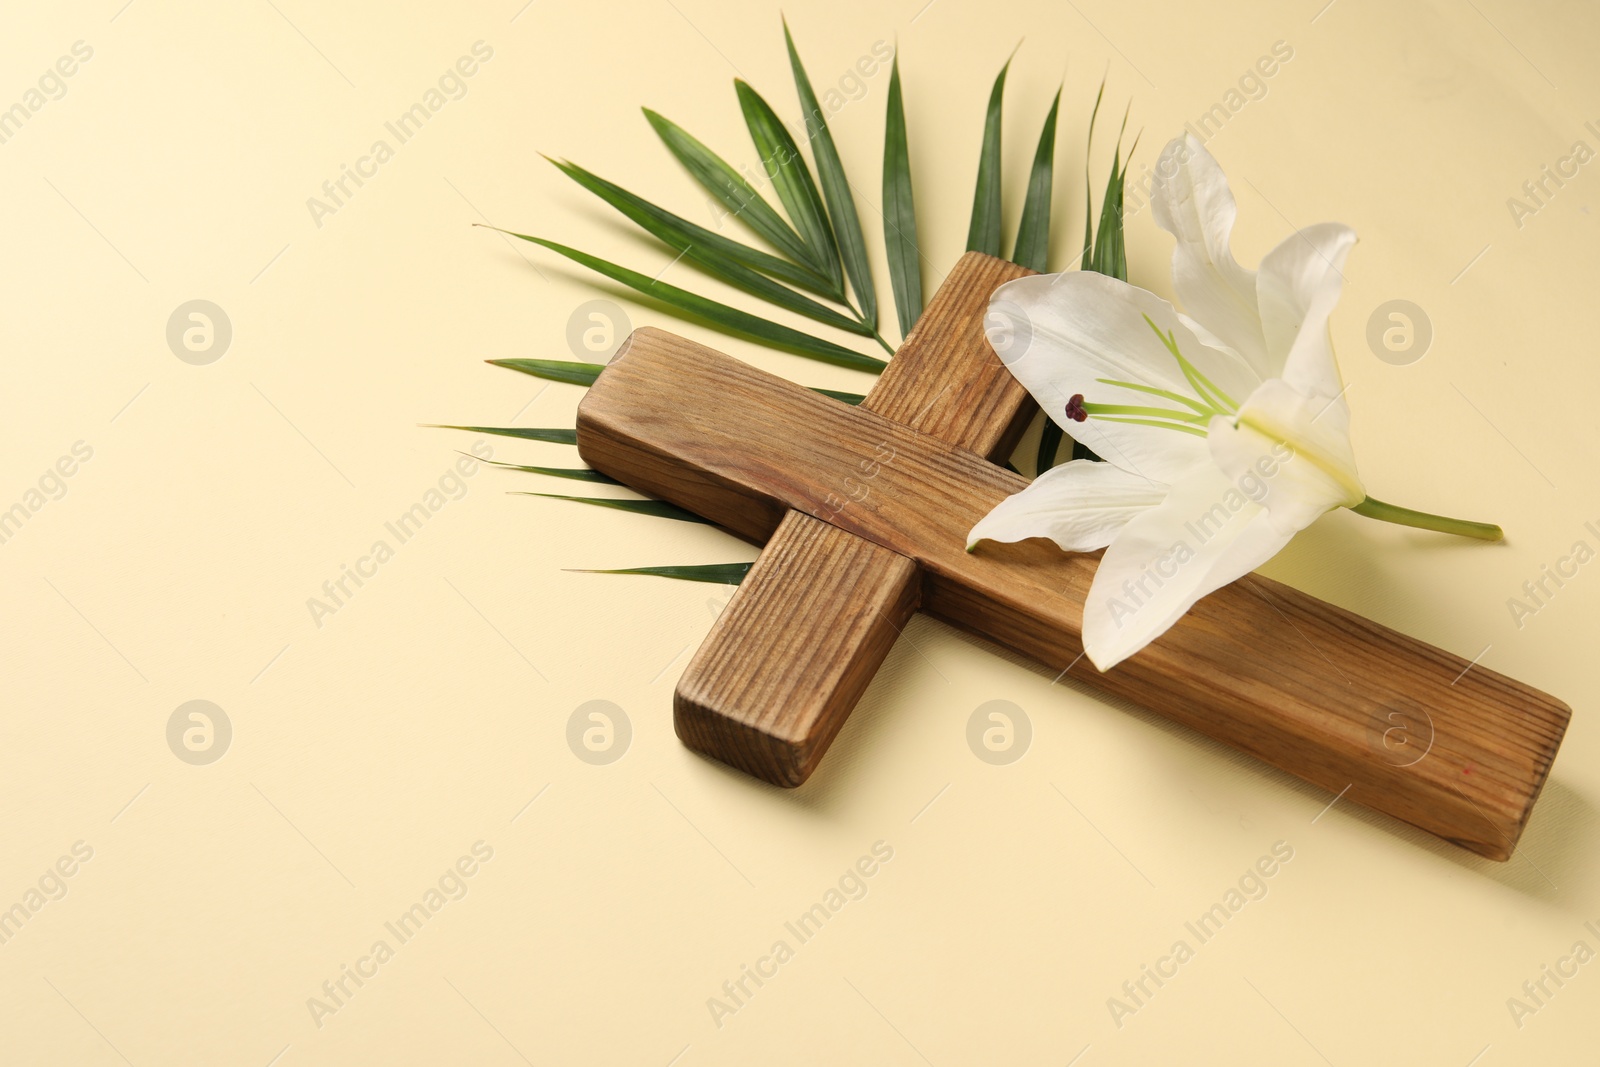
(719, 717)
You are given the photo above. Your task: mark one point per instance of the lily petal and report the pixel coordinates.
(1290, 453)
(1192, 201)
(1079, 505)
(1060, 333)
(1205, 534)
(1297, 288)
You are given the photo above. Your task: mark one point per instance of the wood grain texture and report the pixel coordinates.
(1301, 684)
(945, 380)
(795, 648)
(745, 697)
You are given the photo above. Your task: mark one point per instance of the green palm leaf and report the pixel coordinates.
(1088, 184)
(553, 369)
(835, 190)
(578, 474)
(729, 260)
(1110, 252)
(731, 319)
(586, 373)
(1033, 232)
(1110, 247)
(983, 235)
(680, 231)
(820, 247)
(899, 213)
(1104, 252)
(554, 436)
(725, 183)
(719, 573)
(1049, 446)
(781, 158)
(658, 508)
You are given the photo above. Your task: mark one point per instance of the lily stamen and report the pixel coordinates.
(1158, 424)
(1134, 409)
(1208, 402)
(1193, 422)
(1201, 408)
(1202, 385)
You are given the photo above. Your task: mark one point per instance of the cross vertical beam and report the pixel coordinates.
(792, 653)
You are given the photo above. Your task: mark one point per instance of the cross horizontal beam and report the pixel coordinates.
(1303, 685)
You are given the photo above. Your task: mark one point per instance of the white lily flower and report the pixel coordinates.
(1224, 430)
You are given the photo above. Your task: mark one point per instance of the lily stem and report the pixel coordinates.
(1422, 520)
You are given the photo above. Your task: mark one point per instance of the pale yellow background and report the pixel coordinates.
(372, 752)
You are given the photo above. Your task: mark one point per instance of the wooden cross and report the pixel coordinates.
(864, 513)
